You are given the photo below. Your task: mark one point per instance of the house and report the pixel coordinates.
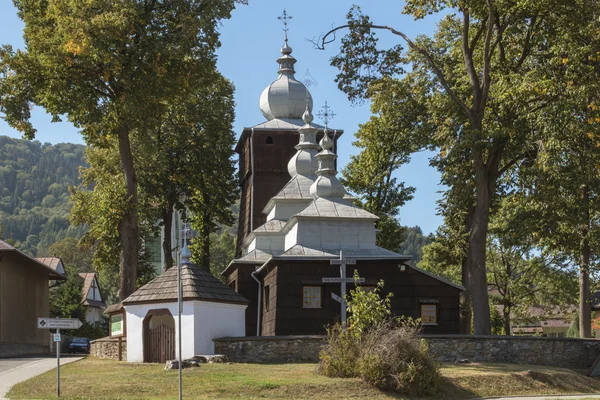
(24, 297)
(210, 310)
(296, 218)
(92, 298)
(91, 295)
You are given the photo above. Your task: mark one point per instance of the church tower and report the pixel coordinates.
(265, 149)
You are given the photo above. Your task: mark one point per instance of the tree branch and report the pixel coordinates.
(436, 70)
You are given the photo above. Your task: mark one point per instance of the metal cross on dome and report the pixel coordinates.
(326, 114)
(185, 230)
(285, 18)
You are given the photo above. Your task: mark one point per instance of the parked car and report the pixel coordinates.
(79, 345)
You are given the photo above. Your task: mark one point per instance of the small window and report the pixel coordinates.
(269, 140)
(267, 297)
(232, 285)
(311, 297)
(429, 314)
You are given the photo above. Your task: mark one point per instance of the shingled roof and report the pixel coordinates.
(52, 274)
(197, 284)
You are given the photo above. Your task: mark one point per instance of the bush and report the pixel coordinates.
(386, 353)
(394, 357)
(339, 356)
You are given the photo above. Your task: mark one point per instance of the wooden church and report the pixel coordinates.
(295, 218)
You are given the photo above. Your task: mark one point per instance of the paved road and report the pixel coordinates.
(15, 370)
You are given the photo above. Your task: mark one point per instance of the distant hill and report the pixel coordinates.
(414, 243)
(34, 195)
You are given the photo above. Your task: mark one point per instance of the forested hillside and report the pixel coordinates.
(34, 195)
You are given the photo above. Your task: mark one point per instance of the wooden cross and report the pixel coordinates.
(342, 262)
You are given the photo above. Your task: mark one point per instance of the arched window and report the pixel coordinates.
(269, 140)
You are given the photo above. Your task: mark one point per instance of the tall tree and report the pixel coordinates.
(111, 69)
(478, 67)
(386, 141)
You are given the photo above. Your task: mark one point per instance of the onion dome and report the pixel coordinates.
(304, 162)
(285, 98)
(327, 184)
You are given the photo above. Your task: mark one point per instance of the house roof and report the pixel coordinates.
(88, 278)
(197, 284)
(113, 308)
(52, 274)
(53, 262)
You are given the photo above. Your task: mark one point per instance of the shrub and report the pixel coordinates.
(339, 356)
(393, 357)
(386, 353)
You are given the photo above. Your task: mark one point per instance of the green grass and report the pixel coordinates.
(101, 379)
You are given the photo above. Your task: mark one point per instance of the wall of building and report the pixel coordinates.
(23, 299)
(557, 352)
(213, 320)
(93, 315)
(410, 288)
(135, 315)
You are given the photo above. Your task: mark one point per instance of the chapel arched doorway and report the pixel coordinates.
(159, 336)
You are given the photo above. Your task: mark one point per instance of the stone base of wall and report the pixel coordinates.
(22, 349)
(557, 352)
(108, 348)
(264, 349)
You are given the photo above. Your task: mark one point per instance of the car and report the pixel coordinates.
(79, 345)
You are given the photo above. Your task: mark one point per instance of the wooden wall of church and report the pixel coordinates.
(410, 288)
(240, 280)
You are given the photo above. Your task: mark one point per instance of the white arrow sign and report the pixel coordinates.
(338, 298)
(59, 323)
(339, 280)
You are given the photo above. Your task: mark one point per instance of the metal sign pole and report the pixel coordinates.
(180, 306)
(343, 283)
(58, 364)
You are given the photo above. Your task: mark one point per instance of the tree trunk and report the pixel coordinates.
(167, 245)
(206, 242)
(129, 232)
(477, 250)
(466, 313)
(585, 312)
(506, 319)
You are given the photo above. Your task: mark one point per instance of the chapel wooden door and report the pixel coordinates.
(161, 344)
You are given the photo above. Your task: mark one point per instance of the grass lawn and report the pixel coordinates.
(101, 379)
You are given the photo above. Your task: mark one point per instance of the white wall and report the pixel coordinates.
(201, 322)
(216, 320)
(285, 210)
(93, 315)
(332, 234)
(135, 315)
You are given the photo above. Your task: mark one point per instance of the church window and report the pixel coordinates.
(267, 295)
(269, 140)
(429, 314)
(311, 297)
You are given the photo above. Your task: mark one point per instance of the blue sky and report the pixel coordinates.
(251, 40)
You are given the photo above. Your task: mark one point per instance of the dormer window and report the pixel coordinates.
(269, 140)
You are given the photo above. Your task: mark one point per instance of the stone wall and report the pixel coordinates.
(558, 352)
(570, 353)
(264, 349)
(109, 348)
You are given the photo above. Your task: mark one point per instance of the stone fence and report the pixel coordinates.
(108, 348)
(559, 352)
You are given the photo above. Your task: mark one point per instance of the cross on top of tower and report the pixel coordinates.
(185, 252)
(285, 18)
(326, 114)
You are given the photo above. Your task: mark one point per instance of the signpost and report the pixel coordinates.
(342, 262)
(58, 324)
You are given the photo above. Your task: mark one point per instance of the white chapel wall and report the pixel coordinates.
(217, 320)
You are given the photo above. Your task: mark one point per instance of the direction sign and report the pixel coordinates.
(59, 323)
(338, 298)
(346, 261)
(339, 280)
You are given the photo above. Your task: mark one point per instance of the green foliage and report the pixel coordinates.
(573, 331)
(367, 307)
(65, 299)
(72, 254)
(414, 242)
(339, 357)
(222, 251)
(34, 182)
